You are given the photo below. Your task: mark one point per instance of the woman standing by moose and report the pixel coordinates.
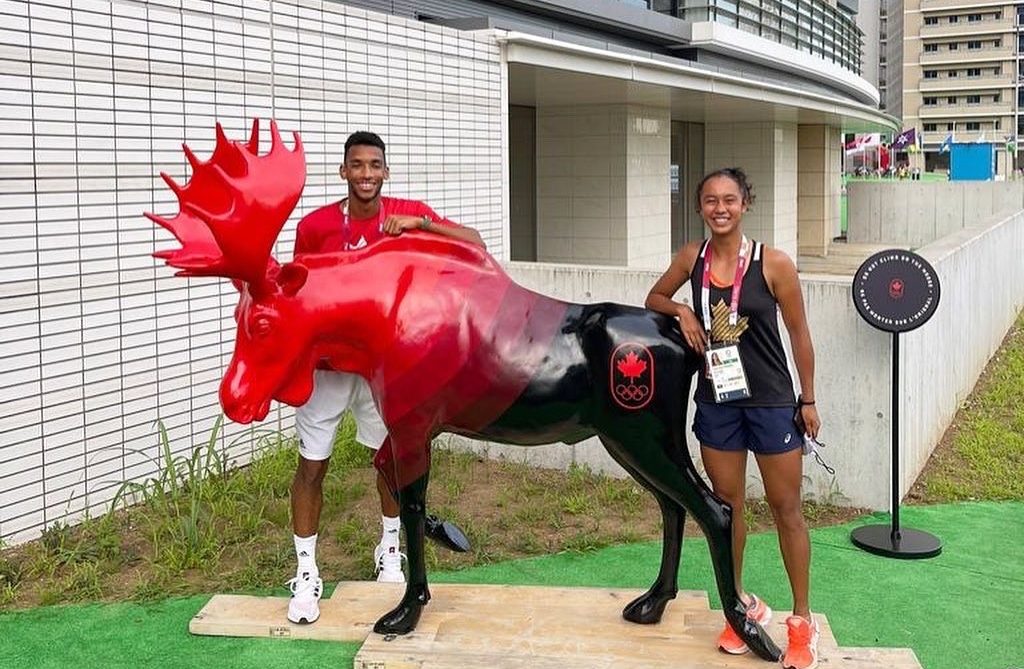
(739, 285)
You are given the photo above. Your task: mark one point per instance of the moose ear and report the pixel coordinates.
(291, 278)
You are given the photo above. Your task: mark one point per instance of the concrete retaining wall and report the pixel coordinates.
(982, 281)
(916, 213)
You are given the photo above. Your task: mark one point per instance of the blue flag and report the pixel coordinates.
(947, 143)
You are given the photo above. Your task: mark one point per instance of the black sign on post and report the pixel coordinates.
(896, 291)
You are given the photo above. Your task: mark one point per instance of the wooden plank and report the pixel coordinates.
(354, 606)
(346, 616)
(520, 627)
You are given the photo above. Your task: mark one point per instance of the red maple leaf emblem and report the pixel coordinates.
(631, 365)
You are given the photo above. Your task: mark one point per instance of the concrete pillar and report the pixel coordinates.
(603, 185)
(819, 184)
(767, 152)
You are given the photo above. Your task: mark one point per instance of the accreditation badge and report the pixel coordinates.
(725, 368)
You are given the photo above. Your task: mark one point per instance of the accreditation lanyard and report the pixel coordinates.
(737, 282)
(346, 224)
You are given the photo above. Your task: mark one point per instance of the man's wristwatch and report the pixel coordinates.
(424, 223)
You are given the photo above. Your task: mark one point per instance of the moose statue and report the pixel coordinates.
(448, 343)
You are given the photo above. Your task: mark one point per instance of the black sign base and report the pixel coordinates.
(903, 543)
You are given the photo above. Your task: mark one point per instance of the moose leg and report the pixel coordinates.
(715, 518)
(648, 608)
(403, 618)
(670, 470)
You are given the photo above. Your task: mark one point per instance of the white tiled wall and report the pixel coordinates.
(602, 194)
(96, 340)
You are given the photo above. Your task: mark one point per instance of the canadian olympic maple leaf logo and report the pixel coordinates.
(631, 376)
(631, 365)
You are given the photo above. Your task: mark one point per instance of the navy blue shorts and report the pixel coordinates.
(767, 430)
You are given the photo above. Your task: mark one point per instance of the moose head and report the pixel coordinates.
(230, 214)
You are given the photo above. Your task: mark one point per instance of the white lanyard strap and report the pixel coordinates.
(737, 282)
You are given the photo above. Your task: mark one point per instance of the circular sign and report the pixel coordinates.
(896, 290)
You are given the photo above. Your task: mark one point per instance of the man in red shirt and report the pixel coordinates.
(362, 218)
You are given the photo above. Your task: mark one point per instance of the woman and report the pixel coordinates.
(738, 288)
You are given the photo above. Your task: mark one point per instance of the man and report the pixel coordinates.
(356, 221)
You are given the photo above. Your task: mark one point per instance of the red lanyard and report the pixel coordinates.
(737, 282)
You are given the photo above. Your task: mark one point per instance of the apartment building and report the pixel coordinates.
(960, 75)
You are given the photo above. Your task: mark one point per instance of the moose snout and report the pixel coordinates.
(239, 400)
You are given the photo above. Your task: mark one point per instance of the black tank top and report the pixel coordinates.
(760, 346)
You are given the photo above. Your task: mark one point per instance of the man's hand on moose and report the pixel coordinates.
(396, 225)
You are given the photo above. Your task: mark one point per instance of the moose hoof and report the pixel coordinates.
(646, 609)
(759, 642)
(400, 620)
(446, 534)
(403, 618)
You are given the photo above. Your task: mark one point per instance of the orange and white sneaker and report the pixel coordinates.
(729, 641)
(802, 650)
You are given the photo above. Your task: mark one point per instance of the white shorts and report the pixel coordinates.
(317, 420)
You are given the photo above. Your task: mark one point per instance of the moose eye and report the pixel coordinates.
(260, 326)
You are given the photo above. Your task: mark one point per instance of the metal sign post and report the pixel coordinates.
(896, 291)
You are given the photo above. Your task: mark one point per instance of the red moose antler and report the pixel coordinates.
(233, 207)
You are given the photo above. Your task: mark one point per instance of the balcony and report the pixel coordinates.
(933, 5)
(930, 139)
(965, 110)
(966, 84)
(965, 28)
(964, 56)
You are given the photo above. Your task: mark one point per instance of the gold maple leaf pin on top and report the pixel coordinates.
(721, 331)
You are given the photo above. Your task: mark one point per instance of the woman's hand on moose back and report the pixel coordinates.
(691, 328)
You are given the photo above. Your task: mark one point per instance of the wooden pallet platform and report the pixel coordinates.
(520, 627)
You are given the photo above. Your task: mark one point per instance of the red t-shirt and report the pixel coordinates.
(324, 230)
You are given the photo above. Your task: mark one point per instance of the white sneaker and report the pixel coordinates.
(304, 606)
(388, 563)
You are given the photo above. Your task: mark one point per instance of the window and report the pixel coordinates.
(931, 74)
(931, 48)
(998, 15)
(953, 46)
(997, 124)
(931, 20)
(997, 43)
(951, 100)
(973, 125)
(997, 97)
(997, 70)
(974, 44)
(954, 19)
(973, 18)
(974, 72)
(930, 127)
(929, 101)
(974, 99)
(952, 74)
(949, 126)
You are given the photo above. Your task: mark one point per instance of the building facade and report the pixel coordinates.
(570, 131)
(960, 75)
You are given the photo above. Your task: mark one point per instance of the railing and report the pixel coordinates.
(812, 26)
(965, 28)
(965, 83)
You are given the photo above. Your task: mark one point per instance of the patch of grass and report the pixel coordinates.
(981, 456)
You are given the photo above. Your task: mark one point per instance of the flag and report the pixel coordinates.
(906, 140)
(947, 143)
(1011, 145)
